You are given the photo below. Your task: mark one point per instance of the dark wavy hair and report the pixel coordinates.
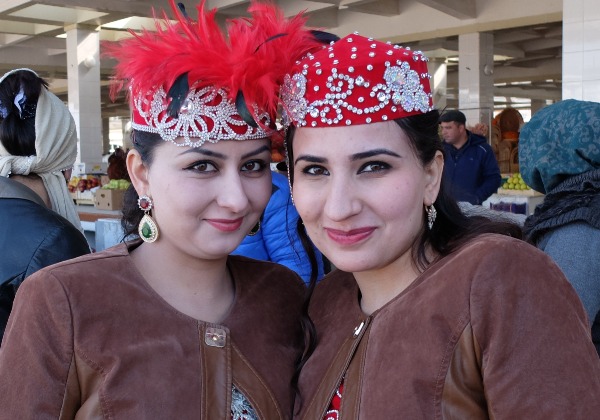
(17, 133)
(452, 228)
(145, 143)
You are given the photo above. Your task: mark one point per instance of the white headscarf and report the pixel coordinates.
(56, 150)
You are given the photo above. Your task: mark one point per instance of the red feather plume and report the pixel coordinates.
(252, 57)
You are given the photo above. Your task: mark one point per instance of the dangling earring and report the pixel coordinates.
(431, 215)
(255, 229)
(147, 228)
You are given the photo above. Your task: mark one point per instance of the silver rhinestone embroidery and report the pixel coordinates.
(191, 124)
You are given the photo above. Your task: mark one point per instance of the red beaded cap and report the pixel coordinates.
(356, 80)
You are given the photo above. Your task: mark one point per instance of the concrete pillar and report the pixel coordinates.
(439, 81)
(581, 50)
(475, 81)
(83, 73)
(105, 135)
(127, 143)
(536, 105)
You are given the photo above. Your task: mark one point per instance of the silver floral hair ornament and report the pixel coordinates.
(206, 115)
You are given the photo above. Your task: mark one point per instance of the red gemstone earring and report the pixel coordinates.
(147, 228)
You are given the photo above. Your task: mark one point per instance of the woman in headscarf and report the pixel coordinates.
(38, 146)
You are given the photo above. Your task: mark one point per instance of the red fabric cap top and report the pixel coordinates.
(356, 80)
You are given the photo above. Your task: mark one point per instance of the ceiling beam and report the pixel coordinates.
(379, 7)
(460, 9)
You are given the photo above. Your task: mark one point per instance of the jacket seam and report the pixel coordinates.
(260, 379)
(458, 330)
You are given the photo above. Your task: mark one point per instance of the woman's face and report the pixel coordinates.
(206, 199)
(361, 191)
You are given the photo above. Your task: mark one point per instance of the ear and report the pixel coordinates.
(138, 172)
(433, 177)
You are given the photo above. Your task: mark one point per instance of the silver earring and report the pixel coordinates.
(147, 229)
(431, 216)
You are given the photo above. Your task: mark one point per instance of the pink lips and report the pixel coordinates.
(350, 237)
(226, 225)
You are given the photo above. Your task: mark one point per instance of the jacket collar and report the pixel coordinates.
(14, 189)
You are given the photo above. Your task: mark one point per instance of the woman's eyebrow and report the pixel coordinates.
(371, 153)
(310, 158)
(205, 152)
(261, 149)
(218, 155)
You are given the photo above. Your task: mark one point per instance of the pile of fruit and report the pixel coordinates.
(515, 182)
(117, 184)
(83, 183)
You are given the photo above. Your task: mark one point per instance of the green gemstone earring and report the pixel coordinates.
(147, 228)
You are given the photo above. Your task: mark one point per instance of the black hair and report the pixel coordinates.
(146, 144)
(17, 127)
(453, 115)
(452, 228)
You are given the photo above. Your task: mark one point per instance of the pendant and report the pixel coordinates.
(147, 229)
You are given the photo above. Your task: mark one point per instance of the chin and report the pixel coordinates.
(352, 264)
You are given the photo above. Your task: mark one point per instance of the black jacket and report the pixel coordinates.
(31, 237)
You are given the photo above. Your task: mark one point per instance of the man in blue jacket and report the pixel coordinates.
(470, 168)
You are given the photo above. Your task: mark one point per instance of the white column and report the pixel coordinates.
(581, 50)
(475, 81)
(83, 73)
(439, 82)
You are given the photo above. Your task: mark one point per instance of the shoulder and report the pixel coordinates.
(493, 250)
(90, 268)
(338, 291)
(255, 276)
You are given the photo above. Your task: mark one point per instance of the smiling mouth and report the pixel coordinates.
(226, 225)
(350, 237)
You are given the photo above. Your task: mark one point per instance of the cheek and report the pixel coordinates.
(259, 191)
(307, 201)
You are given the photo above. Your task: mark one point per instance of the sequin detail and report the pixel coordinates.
(206, 115)
(367, 81)
(241, 409)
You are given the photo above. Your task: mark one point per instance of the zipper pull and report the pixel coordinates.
(358, 329)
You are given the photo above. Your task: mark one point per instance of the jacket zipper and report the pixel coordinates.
(359, 331)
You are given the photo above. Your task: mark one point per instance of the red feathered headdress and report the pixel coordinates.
(190, 80)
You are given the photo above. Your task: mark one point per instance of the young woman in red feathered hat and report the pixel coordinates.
(169, 326)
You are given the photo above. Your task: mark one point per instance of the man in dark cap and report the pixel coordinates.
(470, 168)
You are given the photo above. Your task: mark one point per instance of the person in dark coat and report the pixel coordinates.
(470, 167)
(559, 155)
(38, 147)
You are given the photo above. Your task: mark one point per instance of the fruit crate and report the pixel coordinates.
(84, 197)
(524, 193)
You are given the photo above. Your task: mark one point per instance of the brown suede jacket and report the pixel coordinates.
(493, 331)
(89, 339)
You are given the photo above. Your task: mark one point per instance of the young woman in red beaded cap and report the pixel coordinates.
(169, 326)
(430, 314)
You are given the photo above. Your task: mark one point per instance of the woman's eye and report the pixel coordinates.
(315, 170)
(203, 167)
(253, 166)
(374, 167)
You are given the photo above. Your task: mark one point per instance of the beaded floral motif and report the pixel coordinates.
(241, 409)
(292, 94)
(356, 80)
(206, 115)
(402, 87)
